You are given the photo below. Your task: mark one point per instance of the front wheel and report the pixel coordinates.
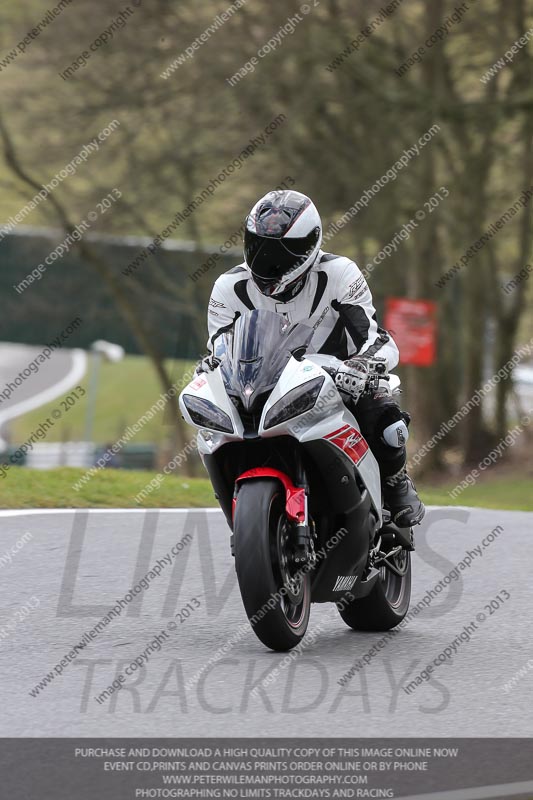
(275, 593)
(388, 602)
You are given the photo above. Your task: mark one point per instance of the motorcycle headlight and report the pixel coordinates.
(206, 415)
(295, 402)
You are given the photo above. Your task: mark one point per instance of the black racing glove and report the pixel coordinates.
(207, 364)
(352, 377)
(360, 374)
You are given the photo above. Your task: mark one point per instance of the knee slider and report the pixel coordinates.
(396, 434)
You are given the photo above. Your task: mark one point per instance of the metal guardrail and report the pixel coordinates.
(47, 455)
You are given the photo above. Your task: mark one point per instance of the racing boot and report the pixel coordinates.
(401, 499)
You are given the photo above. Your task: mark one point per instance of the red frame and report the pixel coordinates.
(295, 500)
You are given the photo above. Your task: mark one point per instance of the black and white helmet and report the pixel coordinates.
(282, 237)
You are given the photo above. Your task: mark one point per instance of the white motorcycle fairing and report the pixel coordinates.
(328, 419)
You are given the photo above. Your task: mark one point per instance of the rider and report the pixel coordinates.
(286, 271)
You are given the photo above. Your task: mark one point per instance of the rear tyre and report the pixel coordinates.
(264, 566)
(388, 602)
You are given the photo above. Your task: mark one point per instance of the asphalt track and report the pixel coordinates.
(77, 564)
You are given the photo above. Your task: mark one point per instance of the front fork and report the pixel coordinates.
(296, 508)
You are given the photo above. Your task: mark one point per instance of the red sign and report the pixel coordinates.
(413, 325)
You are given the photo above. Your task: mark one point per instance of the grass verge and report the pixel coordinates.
(112, 488)
(509, 493)
(109, 488)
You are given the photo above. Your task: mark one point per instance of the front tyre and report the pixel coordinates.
(388, 602)
(276, 595)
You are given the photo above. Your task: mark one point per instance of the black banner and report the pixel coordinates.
(120, 769)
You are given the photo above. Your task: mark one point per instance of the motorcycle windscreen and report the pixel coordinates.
(257, 351)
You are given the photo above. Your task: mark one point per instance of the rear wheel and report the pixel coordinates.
(275, 593)
(388, 602)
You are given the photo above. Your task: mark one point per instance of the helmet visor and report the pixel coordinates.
(270, 259)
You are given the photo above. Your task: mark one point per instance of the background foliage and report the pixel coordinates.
(344, 127)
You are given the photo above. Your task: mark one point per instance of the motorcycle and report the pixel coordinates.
(297, 483)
